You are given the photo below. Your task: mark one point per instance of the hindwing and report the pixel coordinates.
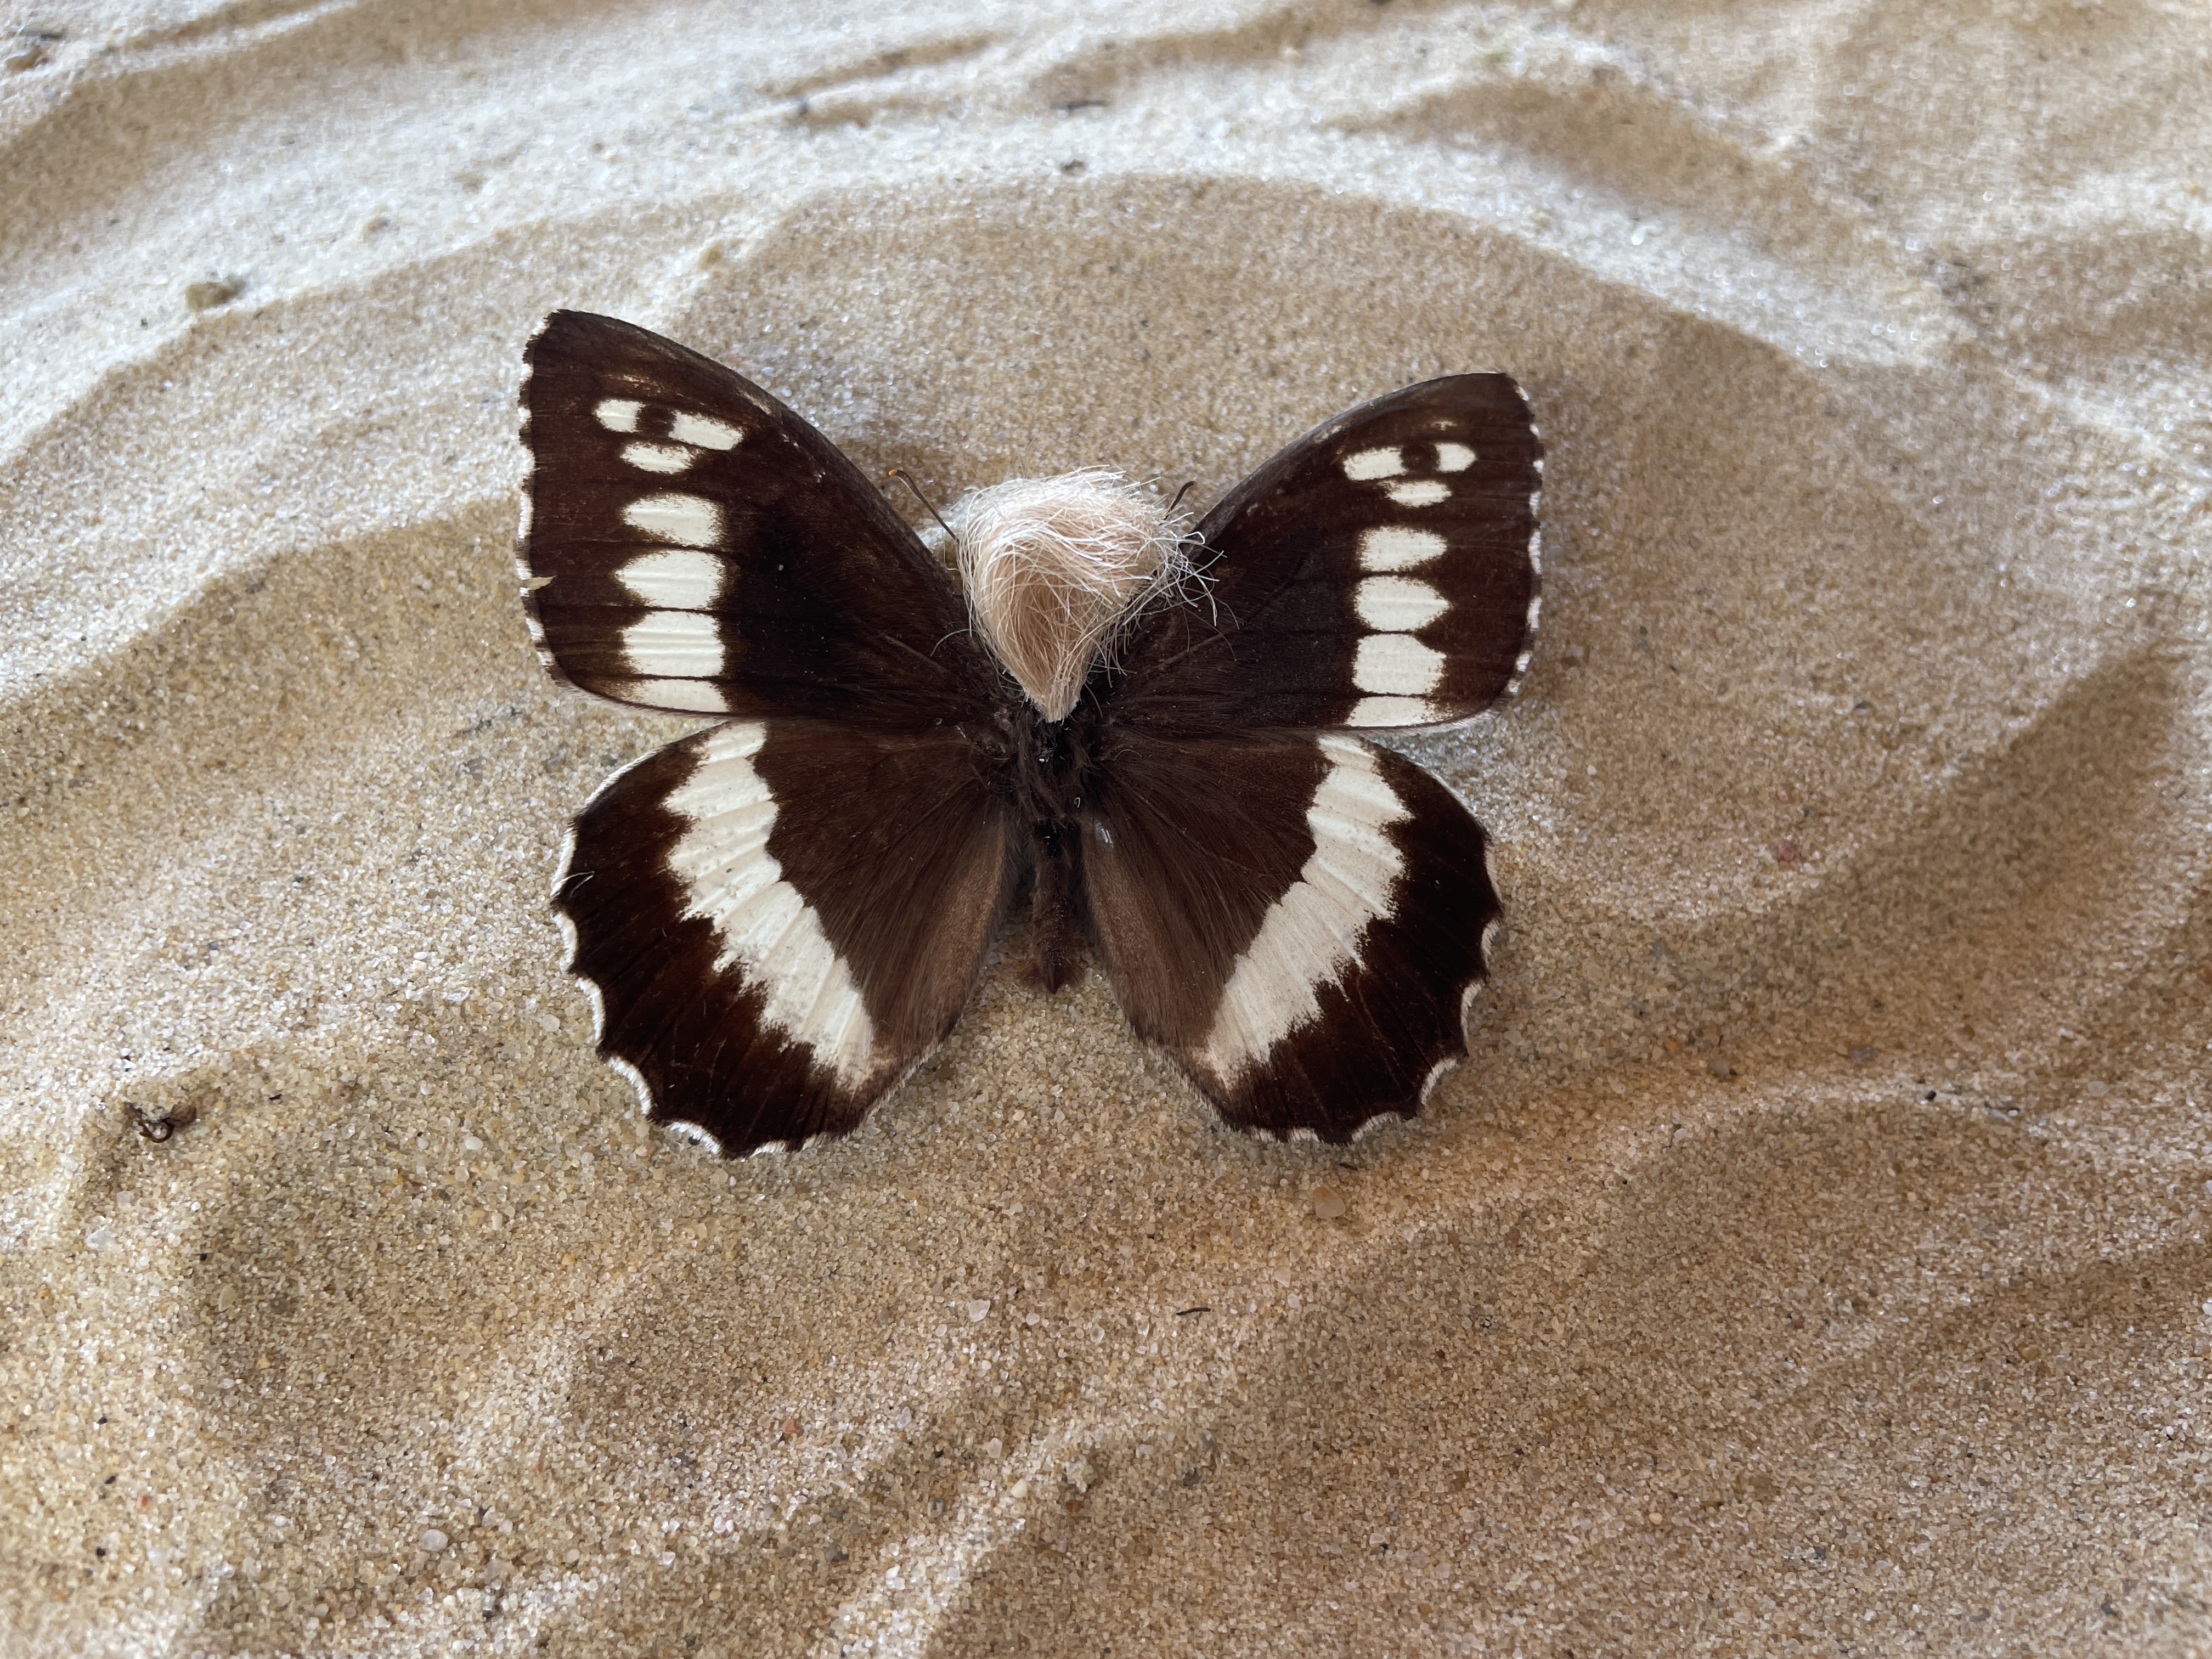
(778, 918)
(1297, 919)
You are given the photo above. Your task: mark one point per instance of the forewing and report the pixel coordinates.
(696, 547)
(1380, 572)
(780, 918)
(1297, 920)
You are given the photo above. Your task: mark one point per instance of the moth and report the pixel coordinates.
(1148, 733)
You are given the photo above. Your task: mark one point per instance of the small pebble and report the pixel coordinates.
(214, 291)
(434, 1540)
(1327, 1204)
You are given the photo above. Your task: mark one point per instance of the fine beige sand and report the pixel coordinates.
(1811, 1258)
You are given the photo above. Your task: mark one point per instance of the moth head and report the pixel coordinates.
(1055, 568)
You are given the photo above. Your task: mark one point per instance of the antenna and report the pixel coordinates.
(907, 478)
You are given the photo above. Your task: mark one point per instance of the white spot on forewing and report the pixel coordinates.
(1418, 492)
(687, 520)
(1312, 934)
(658, 458)
(768, 930)
(1454, 458)
(705, 431)
(1392, 711)
(678, 696)
(682, 645)
(1369, 464)
(682, 579)
(1394, 547)
(618, 414)
(1396, 665)
(1398, 604)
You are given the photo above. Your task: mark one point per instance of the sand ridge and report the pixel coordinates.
(1811, 1256)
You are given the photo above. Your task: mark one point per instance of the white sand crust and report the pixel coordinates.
(1810, 1257)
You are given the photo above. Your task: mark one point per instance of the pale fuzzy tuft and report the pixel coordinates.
(1054, 567)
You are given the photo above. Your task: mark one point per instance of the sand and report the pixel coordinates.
(1811, 1257)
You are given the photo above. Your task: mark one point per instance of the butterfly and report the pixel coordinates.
(1149, 734)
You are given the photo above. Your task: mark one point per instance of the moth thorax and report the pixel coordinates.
(1054, 567)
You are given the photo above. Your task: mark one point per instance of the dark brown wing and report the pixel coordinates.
(1379, 572)
(1297, 919)
(697, 547)
(778, 918)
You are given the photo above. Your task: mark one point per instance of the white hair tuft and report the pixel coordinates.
(1055, 567)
